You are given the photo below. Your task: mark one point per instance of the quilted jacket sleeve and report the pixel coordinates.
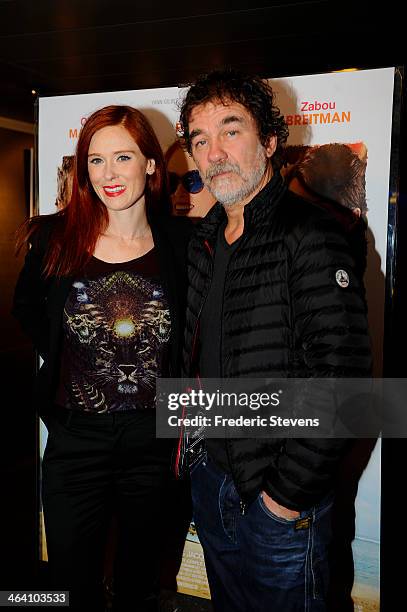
(330, 340)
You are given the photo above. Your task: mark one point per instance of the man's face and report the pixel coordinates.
(227, 150)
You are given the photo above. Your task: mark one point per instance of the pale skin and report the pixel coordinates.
(228, 134)
(118, 170)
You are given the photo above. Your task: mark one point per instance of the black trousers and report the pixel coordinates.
(96, 466)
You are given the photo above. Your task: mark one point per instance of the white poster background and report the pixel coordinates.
(360, 106)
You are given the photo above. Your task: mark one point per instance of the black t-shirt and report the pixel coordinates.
(210, 365)
(116, 325)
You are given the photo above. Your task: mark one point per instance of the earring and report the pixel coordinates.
(151, 167)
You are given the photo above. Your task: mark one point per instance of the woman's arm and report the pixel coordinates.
(30, 300)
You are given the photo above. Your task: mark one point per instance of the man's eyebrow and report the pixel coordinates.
(225, 121)
(194, 133)
(232, 119)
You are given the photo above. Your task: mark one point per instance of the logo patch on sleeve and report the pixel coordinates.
(342, 278)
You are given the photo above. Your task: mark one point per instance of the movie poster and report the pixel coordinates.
(346, 116)
(350, 115)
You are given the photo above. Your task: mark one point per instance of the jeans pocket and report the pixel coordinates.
(279, 553)
(275, 517)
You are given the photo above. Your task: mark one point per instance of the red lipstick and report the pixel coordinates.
(113, 191)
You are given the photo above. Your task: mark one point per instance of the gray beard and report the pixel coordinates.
(228, 197)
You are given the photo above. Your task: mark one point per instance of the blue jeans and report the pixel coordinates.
(258, 562)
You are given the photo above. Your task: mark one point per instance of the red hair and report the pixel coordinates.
(78, 226)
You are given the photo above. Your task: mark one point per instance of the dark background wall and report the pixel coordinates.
(18, 426)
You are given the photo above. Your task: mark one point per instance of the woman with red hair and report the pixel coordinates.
(101, 296)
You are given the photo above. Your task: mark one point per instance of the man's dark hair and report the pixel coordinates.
(252, 92)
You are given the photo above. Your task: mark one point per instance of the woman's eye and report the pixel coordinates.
(95, 161)
(123, 157)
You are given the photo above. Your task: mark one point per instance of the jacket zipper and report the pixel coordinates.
(195, 334)
(191, 361)
(242, 504)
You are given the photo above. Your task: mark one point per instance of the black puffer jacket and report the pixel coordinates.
(284, 315)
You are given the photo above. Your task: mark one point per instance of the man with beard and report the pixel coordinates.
(272, 293)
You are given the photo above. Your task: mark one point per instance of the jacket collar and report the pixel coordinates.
(258, 209)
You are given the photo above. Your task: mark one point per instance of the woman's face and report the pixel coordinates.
(117, 168)
(188, 195)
